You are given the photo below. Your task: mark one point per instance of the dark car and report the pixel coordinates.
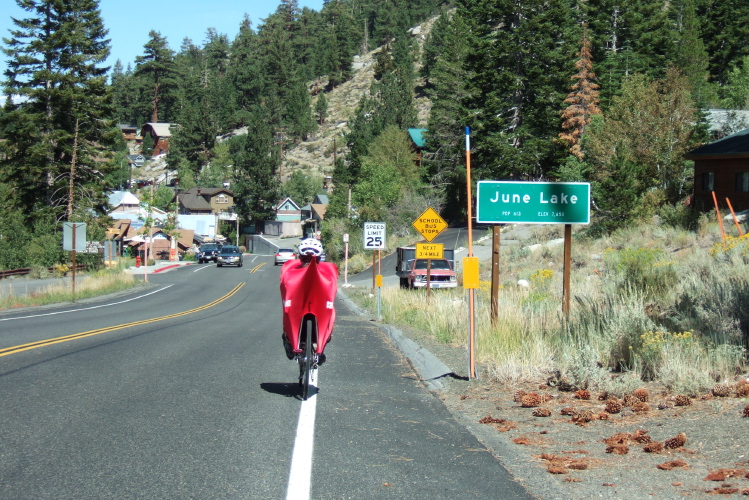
(208, 252)
(229, 256)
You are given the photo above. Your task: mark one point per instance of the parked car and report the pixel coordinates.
(229, 256)
(208, 252)
(284, 254)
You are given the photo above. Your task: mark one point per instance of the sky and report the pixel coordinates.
(129, 22)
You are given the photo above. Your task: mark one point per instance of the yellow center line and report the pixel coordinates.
(254, 269)
(41, 343)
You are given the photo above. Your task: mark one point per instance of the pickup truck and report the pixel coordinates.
(441, 274)
(412, 272)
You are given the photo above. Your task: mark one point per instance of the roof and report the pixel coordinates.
(281, 203)
(160, 129)
(320, 210)
(117, 198)
(732, 146)
(417, 136)
(192, 201)
(207, 191)
(321, 199)
(127, 126)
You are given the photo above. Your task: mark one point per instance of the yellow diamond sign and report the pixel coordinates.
(429, 224)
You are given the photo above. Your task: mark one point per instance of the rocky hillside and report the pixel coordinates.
(316, 155)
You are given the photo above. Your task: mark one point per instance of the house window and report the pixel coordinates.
(708, 181)
(222, 198)
(742, 182)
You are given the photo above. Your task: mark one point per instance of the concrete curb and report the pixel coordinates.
(429, 367)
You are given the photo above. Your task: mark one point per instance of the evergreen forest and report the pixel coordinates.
(611, 92)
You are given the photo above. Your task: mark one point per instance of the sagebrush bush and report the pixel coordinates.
(649, 303)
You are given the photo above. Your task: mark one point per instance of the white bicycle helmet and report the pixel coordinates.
(310, 246)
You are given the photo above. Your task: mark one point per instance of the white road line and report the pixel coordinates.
(87, 308)
(300, 476)
(201, 268)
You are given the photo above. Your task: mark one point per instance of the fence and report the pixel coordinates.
(27, 270)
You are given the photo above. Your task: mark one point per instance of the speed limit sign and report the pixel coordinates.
(374, 235)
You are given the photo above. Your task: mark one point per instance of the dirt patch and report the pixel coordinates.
(668, 448)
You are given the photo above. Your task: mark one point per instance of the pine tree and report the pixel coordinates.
(60, 121)
(691, 56)
(256, 185)
(582, 102)
(157, 67)
(244, 74)
(724, 30)
(519, 54)
(321, 108)
(445, 136)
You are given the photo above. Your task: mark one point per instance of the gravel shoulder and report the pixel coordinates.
(556, 458)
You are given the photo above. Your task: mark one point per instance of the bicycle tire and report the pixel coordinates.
(307, 362)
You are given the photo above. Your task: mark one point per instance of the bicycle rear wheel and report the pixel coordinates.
(308, 361)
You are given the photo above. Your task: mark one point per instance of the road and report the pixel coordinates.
(182, 391)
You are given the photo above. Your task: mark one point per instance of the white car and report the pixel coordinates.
(284, 254)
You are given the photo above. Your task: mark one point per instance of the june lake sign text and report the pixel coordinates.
(503, 202)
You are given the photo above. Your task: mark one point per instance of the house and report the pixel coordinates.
(160, 134)
(417, 143)
(129, 132)
(123, 201)
(205, 201)
(288, 221)
(314, 213)
(136, 160)
(135, 237)
(722, 167)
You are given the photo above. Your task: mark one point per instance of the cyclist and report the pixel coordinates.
(308, 286)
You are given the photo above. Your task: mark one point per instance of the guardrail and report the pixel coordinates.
(27, 270)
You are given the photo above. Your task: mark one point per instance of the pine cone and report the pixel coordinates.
(640, 436)
(682, 400)
(530, 400)
(582, 394)
(629, 400)
(603, 396)
(613, 406)
(746, 411)
(640, 407)
(619, 449)
(542, 412)
(654, 447)
(676, 441)
(584, 417)
(742, 390)
(546, 397)
(517, 395)
(569, 410)
(721, 390)
(641, 394)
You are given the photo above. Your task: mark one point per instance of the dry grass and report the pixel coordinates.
(93, 285)
(650, 303)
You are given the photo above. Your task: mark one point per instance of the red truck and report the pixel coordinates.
(413, 272)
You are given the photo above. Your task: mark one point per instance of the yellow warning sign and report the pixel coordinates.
(430, 251)
(429, 224)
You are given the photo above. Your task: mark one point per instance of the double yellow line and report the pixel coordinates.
(41, 343)
(257, 267)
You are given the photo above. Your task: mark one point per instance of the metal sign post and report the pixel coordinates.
(73, 239)
(374, 239)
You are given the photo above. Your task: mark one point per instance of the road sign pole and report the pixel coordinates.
(567, 265)
(471, 292)
(429, 279)
(374, 268)
(495, 274)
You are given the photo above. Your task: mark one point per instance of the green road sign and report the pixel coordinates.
(500, 202)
